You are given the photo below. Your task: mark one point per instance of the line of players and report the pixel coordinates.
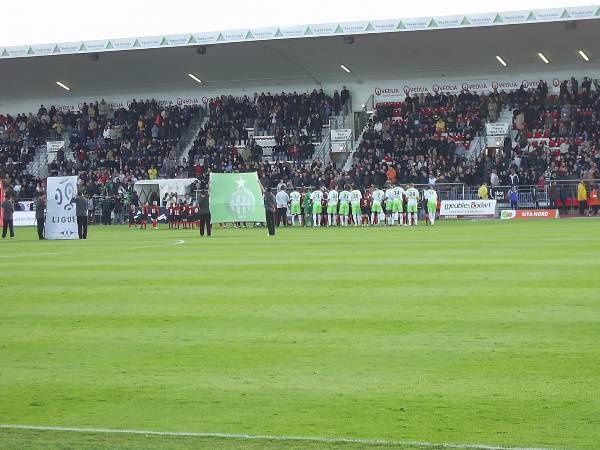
(179, 215)
(393, 206)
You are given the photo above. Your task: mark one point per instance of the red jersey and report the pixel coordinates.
(154, 211)
(365, 202)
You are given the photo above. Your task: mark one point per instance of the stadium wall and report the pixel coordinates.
(383, 90)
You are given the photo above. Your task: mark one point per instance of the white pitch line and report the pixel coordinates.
(22, 255)
(177, 242)
(25, 255)
(267, 437)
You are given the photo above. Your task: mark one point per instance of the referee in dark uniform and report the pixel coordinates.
(81, 212)
(40, 216)
(270, 210)
(204, 213)
(8, 209)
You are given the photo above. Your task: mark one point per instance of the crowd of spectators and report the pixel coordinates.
(294, 120)
(425, 138)
(110, 146)
(19, 138)
(558, 135)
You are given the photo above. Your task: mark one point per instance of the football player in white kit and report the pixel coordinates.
(412, 195)
(332, 205)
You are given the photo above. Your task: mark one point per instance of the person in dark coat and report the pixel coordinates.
(81, 212)
(204, 213)
(8, 209)
(40, 215)
(270, 209)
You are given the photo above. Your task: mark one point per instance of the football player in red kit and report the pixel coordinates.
(144, 216)
(171, 215)
(365, 207)
(195, 215)
(154, 215)
(185, 213)
(176, 215)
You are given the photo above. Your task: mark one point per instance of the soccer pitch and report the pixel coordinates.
(480, 333)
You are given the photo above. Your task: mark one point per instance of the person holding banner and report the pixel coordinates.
(8, 209)
(40, 215)
(81, 212)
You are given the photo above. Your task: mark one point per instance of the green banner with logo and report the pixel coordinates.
(236, 197)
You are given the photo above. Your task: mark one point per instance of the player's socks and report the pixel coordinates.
(372, 218)
(315, 222)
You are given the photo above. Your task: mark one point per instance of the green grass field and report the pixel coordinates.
(484, 333)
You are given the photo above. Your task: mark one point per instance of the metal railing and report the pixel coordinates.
(323, 151)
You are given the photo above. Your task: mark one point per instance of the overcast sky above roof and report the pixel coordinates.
(45, 22)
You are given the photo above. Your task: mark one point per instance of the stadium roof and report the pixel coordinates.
(287, 31)
(434, 51)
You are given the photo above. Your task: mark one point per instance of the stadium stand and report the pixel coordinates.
(424, 139)
(108, 146)
(427, 137)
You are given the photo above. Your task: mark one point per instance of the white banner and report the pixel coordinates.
(24, 218)
(266, 142)
(52, 148)
(342, 134)
(467, 208)
(399, 90)
(61, 221)
(497, 129)
(340, 147)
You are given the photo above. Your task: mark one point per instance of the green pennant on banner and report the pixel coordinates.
(235, 197)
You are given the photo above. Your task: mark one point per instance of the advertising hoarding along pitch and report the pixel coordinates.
(467, 208)
(525, 214)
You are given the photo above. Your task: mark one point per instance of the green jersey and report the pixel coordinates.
(390, 195)
(378, 196)
(295, 197)
(398, 192)
(344, 197)
(332, 198)
(431, 196)
(412, 195)
(316, 197)
(355, 196)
